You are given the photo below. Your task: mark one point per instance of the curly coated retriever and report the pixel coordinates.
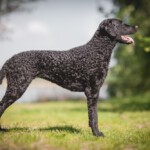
(82, 68)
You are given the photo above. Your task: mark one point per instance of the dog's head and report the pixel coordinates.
(118, 30)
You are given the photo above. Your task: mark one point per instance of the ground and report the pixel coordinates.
(64, 125)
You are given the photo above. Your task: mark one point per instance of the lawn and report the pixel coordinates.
(64, 126)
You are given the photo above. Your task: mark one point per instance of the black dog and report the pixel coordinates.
(82, 68)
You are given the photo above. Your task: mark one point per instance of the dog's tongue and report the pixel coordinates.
(127, 38)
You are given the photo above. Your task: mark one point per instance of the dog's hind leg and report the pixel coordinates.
(15, 90)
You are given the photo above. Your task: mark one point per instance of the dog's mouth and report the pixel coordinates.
(127, 39)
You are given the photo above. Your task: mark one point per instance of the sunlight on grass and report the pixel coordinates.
(64, 125)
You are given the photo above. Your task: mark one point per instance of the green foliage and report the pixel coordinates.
(131, 75)
(64, 125)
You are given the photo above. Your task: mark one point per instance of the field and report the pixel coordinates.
(64, 125)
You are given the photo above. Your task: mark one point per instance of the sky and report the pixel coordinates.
(50, 25)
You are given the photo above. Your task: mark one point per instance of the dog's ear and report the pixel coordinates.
(108, 27)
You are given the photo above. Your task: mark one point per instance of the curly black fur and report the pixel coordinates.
(82, 68)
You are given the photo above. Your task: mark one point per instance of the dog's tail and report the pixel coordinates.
(2, 74)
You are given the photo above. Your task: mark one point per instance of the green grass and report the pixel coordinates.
(64, 125)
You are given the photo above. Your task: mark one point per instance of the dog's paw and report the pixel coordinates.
(99, 134)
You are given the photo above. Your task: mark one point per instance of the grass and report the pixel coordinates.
(64, 126)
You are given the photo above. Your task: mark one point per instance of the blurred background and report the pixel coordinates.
(64, 24)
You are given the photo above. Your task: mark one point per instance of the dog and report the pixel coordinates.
(81, 69)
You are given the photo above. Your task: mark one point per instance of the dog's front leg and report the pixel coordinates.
(92, 99)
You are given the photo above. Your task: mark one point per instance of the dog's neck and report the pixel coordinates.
(102, 39)
(102, 43)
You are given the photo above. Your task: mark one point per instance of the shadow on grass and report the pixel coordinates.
(68, 129)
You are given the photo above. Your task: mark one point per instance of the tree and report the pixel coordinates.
(131, 75)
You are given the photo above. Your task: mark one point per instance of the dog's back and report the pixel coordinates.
(70, 69)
